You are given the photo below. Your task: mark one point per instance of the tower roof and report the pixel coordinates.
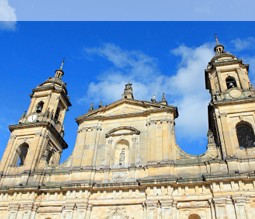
(59, 72)
(55, 83)
(219, 48)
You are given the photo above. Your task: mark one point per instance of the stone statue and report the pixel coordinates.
(210, 137)
(122, 156)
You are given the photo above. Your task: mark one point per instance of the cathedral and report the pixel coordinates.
(126, 163)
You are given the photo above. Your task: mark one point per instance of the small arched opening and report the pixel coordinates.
(39, 107)
(21, 154)
(231, 82)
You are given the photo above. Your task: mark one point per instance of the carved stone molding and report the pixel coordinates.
(193, 204)
(129, 131)
(119, 176)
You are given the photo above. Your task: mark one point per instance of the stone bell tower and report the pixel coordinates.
(232, 107)
(37, 140)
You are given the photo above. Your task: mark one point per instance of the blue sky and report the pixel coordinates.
(113, 10)
(100, 57)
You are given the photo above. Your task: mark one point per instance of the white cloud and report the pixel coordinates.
(7, 16)
(185, 88)
(251, 61)
(247, 43)
(188, 86)
(243, 44)
(128, 66)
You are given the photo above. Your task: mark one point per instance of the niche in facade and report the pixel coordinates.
(121, 153)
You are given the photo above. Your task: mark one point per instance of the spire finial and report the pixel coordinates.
(62, 64)
(163, 97)
(164, 101)
(219, 48)
(216, 39)
(128, 92)
(59, 73)
(91, 107)
(100, 104)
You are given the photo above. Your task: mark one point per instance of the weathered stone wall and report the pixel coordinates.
(230, 199)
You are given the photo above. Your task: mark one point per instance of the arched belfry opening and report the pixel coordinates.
(21, 154)
(56, 117)
(39, 107)
(121, 153)
(231, 82)
(245, 135)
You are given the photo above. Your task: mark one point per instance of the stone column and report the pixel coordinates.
(165, 141)
(240, 75)
(212, 208)
(27, 210)
(166, 209)
(175, 214)
(144, 210)
(133, 151)
(225, 136)
(67, 212)
(80, 147)
(137, 152)
(230, 208)
(224, 208)
(159, 143)
(151, 135)
(33, 212)
(90, 147)
(108, 152)
(151, 207)
(13, 210)
(96, 142)
(88, 211)
(240, 203)
(80, 211)
(220, 81)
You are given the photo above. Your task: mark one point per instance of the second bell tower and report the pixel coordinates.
(37, 140)
(232, 106)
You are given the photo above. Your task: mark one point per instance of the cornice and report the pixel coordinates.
(41, 124)
(53, 88)
(144, 104)
(233, 102)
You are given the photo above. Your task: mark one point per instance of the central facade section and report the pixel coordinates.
(126, 134)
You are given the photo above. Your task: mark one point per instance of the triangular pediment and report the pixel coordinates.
(124, 107)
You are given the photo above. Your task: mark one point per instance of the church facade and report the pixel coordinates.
(126, 163)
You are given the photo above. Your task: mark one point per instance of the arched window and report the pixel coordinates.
(39, 107)
(194, 216)
(245, 135)
(21, 154)
(231, 82)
